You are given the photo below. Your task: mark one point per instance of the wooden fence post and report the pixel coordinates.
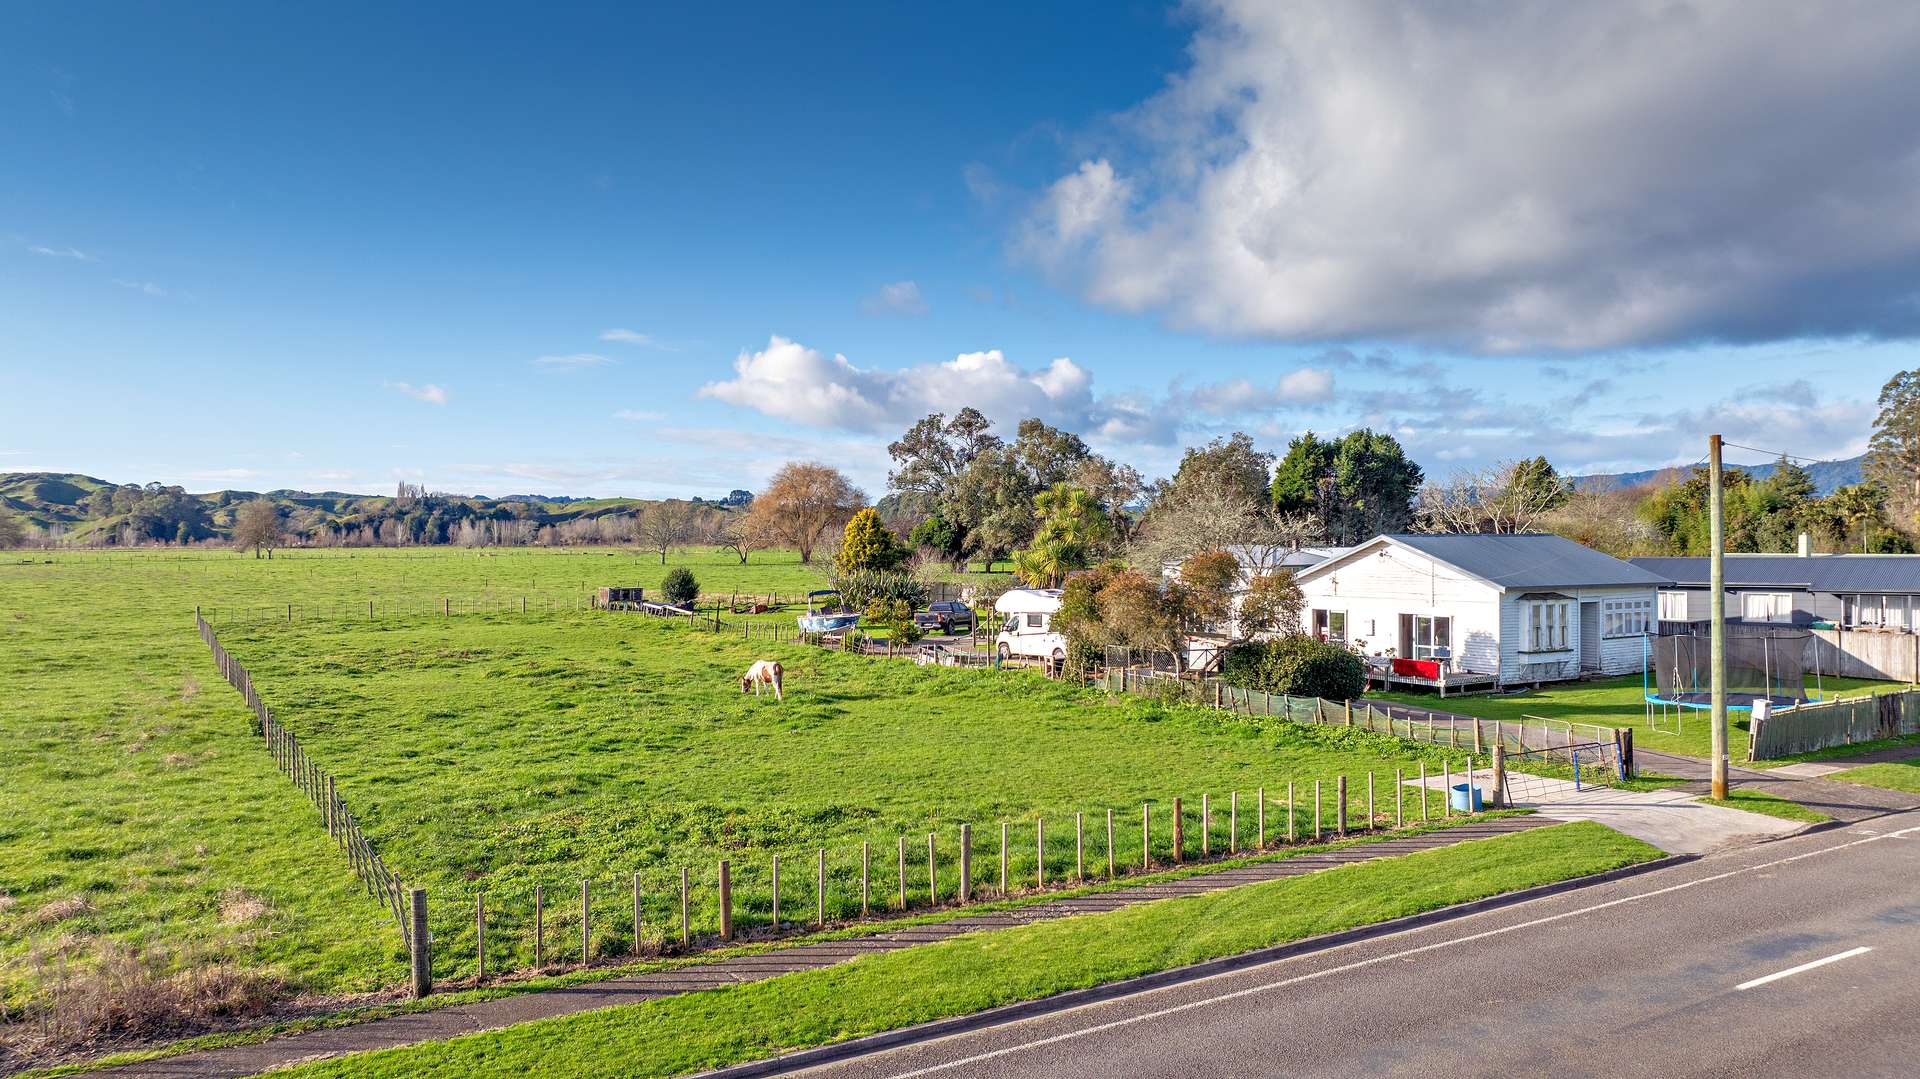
(1446, 782)
(686, 922)
(586, 926)
(1340, 806)
(539, 927)
(1289, 810)
(1260, 815)
(1423, 792)
(1079, 849)
(1179, 833)
(1040, 852)
(1112, 862)
(1316, 811)
(776, 893)
(1399, 798)
(933, 874)
(1370, 825)
(901, 868)
(726, 900)
(820, 893)
(1146, 836)
(866, 859)
(1206, 824)
(966, 862)
(420, 942)
(1003, 858)
(1233, 822)
(480, 935)
(1499, 780)
(636, 914)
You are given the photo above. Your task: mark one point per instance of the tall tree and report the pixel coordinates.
(930, 457)
(1509, 497)
(1228, 464)
(868, 544)
(257, 525)
(1357, 486)
(803, 501)
(1302, 476)
(1893, 453)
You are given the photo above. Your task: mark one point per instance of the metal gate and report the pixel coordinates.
(1535, 776)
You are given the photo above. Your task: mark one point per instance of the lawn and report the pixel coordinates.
(1771, 805)
(1894, 775)
(1621, 702)
(494, 752)
(967, 974)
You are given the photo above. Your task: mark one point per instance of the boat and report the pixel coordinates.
(824, 616)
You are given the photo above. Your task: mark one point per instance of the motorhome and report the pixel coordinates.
(1028, 629)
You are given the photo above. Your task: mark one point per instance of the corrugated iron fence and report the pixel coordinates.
(1835, 723)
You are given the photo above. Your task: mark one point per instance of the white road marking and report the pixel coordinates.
(1791, 971)
(1360, 964)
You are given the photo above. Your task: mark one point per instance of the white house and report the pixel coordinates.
(1483, 609)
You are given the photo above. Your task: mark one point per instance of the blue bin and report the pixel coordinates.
(1461, 794)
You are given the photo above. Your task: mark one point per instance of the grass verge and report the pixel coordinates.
(967, 974)
(1893, 775)
(1771, 805)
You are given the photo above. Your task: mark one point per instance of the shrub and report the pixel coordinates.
(896, 617)
(1297, 664)
(869, 545)
(860, 588)
(679, 586)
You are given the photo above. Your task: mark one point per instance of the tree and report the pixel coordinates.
(1509, 497)
(1299, 478)
(868, 544)
(1072, 526)
(663, 526)
(680, 587)
(1189, 518)
(1356, 487)
(896, 617)
(1893, 453)
(1230, 464)
(992, 504)
(1047, 455)
(257, 525)
(1114, 486)
(941, 538)
(1860, 509)
(1204, 592)
(1271, 605)
(12, 532)
(735, 532)
(933, 453)
(802, 502)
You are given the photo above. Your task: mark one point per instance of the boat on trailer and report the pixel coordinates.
(825, 616)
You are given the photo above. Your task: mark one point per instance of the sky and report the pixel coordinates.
(611, 250)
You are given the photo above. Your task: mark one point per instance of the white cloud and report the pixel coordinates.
(635, 337)
(330, 475)
(636, 415)
(147, 287)
(573, 361)
(1510, 178)
(430, 393)
(898, 298)
(793, 382)
(62, 253)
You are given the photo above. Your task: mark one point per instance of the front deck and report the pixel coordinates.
(1385, 677)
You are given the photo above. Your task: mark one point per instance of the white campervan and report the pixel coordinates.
(1028, 629)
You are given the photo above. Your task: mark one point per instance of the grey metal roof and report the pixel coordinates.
(1814, 573)
(1531, 560)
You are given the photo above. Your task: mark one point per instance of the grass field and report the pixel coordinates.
(496, 751)
(1771, 805)
(1896, 775)
(1620, 702)
(134, 806)
(981, 970)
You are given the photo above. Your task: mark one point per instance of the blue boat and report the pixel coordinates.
(826, 617)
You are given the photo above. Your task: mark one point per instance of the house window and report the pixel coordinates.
(1673, 607)
(1547, 627)
(1766, 607)
(1877, 612)
(1432, 637)
(1625, 617)
(1330, 625)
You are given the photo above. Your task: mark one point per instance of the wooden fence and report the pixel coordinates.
(316, 783)
(1835, 723)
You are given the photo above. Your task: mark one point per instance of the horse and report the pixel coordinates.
(764, 672)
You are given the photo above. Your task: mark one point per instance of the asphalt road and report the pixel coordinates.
(1795, 957)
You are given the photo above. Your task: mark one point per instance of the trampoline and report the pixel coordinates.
(1676, 673)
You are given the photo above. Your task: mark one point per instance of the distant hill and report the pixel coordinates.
(1828, 476)
(88, 509)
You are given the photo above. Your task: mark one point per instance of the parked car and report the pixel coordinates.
(945, 617)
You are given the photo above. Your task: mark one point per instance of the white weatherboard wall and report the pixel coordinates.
(1376, 587)
(1618, 655)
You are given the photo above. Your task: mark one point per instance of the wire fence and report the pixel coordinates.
(1844, 722)
(315, 782)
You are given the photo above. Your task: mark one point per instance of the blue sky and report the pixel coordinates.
(601, 250)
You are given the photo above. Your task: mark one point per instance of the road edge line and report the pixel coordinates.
(1075, 998)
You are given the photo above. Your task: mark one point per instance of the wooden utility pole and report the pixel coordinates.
(1717, 612)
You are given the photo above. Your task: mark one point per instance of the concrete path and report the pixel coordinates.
(1673, 820)
(452, 1021)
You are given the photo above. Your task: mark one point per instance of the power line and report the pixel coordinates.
(1779, 453)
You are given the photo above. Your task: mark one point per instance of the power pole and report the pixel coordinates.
(1717, 608)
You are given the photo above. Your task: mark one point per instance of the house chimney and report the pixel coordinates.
(1806, 545)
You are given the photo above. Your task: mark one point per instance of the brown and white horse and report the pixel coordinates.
(764, 672)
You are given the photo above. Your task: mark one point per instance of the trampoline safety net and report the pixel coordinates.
(1771, 665)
